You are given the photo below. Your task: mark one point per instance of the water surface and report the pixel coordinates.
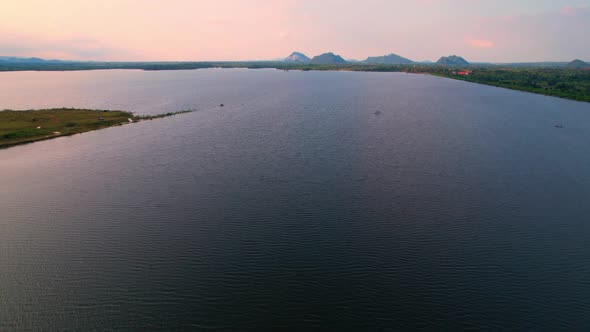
(327, 200)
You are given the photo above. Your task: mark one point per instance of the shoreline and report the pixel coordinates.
(560, 82)
(18, 127)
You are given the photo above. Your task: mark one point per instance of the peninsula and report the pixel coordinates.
(20, 127)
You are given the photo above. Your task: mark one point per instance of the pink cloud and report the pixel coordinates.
(479, 43)
(568, 10)
(572, 10)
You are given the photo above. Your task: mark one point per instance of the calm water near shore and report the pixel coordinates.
(329, 200)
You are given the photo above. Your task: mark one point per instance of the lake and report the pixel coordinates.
(312, 200)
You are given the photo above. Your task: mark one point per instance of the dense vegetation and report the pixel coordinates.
(554, 80)
(565, 83)
(18, 127)
(560, 82)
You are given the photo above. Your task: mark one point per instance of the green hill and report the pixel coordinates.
(328, 58)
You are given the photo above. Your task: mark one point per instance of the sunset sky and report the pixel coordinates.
(479, 30)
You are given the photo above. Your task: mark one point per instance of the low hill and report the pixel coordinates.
(297, 58)
(391, 59)
(452, 60)
(15, 59)
(327, 58)
(578, 64)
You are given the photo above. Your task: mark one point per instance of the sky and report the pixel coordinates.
(201, 30)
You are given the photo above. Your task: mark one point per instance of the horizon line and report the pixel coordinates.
(283, 59)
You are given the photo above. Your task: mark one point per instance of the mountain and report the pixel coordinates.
(578, 64)
(15, 59)
(391, 59)
(327, 58)
(297, 57)
(452, 60)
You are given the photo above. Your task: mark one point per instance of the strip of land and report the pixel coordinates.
(20, 127)
(551, 80)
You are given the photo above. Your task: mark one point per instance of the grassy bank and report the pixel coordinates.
(20, 127)
(564, 83)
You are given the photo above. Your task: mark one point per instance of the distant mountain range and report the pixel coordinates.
(391, 59)
(330, 58)
(15, 59)
(452, 60)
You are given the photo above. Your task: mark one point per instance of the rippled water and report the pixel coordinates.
(324, 200)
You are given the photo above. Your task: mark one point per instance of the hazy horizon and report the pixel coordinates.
(311, 56)
(224, 30)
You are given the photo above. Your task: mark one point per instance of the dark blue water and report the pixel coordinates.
(312, 200)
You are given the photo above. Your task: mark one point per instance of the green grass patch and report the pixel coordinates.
(17, 127)
(20, 127)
